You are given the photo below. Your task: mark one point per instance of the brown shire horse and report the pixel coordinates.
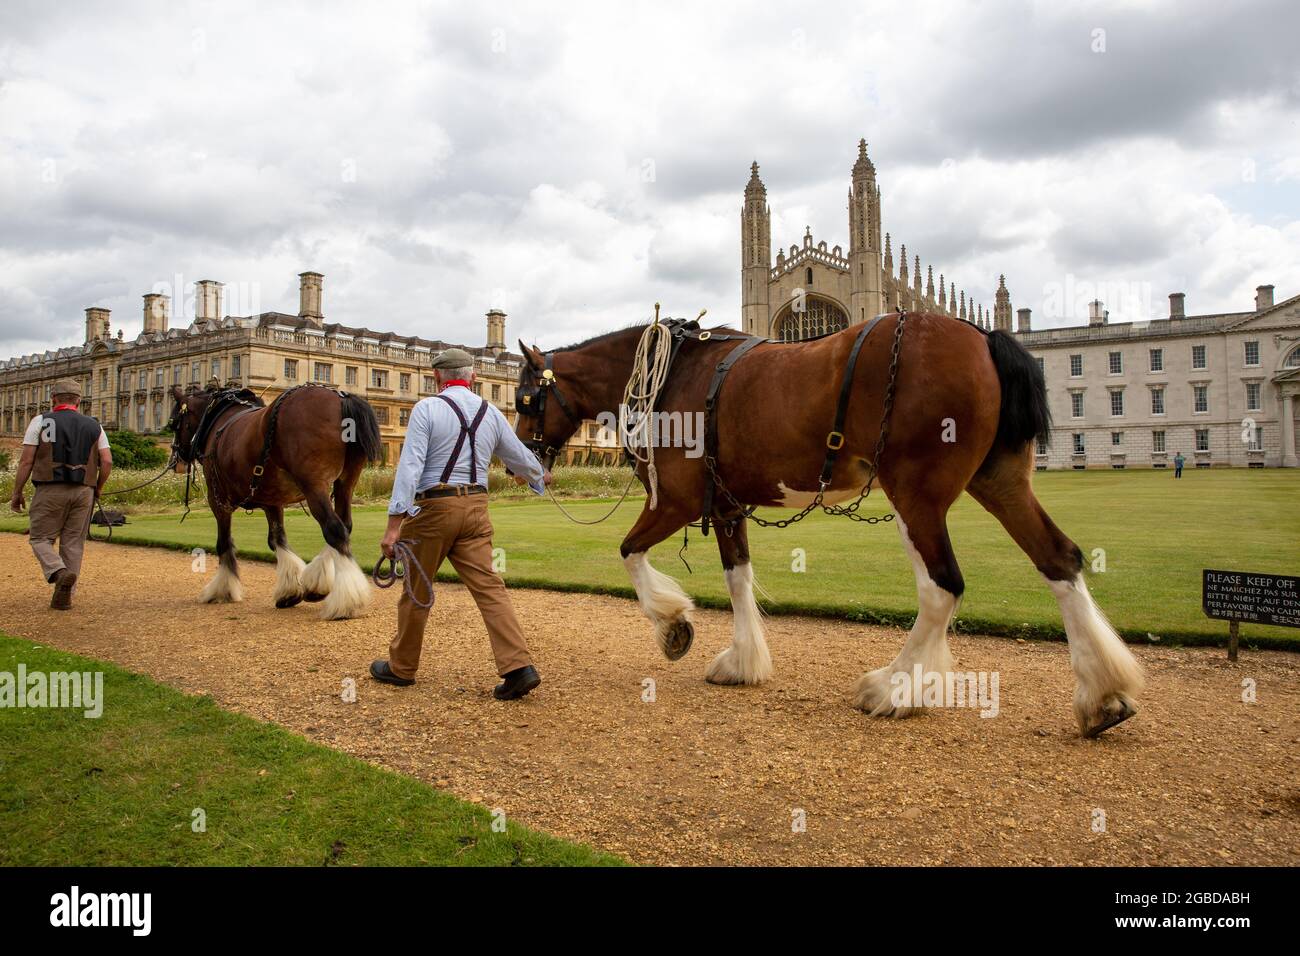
(968, 406)
(319, 441)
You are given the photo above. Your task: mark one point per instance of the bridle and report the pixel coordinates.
(178, 416)
(530, 402)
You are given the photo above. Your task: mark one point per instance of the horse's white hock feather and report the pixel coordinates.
(289, 570)
(225, 587)
(662, 599)
(747, 660)
(318, 577)
(351, 592)
(926, 644)
(1107, 674)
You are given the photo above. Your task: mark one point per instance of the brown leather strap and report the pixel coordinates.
(835, 440)
(711, 421)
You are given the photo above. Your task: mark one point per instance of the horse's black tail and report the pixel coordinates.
(1024, 415)
(365, 427)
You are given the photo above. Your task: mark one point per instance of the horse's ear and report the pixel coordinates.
(177, 393)
(533, 357)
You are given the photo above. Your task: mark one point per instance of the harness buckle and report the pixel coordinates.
(257, 471)
(705, 335)
(835, 441)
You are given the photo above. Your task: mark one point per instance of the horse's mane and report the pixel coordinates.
(633, 327)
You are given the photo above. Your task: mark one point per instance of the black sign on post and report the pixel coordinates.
(1236, 596)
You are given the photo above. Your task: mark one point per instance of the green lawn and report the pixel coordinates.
(1157, 535)
(121, 790)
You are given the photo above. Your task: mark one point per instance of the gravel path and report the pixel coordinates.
(707, 774)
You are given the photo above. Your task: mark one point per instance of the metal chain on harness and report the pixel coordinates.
(846, 511)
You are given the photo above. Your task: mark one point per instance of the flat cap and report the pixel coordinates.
(66, 386)
(453, 358)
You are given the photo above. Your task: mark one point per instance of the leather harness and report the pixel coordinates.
(834, 438)
(222, 402)
(530, 401)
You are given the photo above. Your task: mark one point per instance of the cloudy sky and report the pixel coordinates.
(573, 163)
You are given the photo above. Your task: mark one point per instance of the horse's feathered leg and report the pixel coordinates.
(347, 591)
(289, 567)
(662, 599)
(891, 691)
(747, 660)
(1107, 674)
(225, 585)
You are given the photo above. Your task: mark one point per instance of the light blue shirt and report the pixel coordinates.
(431, 435)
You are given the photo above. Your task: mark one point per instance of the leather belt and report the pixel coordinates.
(450, 491)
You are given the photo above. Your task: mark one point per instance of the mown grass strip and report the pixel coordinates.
(123, 790)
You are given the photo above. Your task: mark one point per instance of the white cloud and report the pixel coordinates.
(574, 163)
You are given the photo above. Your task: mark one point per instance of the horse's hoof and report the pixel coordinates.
(313, 597)
(1109, 719)
(678, 640)
(289, 601)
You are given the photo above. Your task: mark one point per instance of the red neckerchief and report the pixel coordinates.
(64, 408)
(455, 381)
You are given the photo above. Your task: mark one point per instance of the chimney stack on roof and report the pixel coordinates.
(1176, 308)
(156, 307)
(1022, 320)
(496, 331)
(1263, 297)
(1096, 314)
(97, 320)
(207, 300)
(309, 297)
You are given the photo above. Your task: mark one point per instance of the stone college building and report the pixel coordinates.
(1222, 389)
(128, 382)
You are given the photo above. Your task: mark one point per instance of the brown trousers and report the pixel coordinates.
(458, 529)
(60, 511)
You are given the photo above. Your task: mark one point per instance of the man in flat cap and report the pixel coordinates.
(66, 455)
(440, 501)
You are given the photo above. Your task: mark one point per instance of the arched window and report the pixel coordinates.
(1293, 360)
(809, 282)
(819, 317)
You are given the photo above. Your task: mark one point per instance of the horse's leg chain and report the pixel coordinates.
(850, 510)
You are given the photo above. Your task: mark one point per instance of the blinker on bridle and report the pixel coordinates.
(530, 402)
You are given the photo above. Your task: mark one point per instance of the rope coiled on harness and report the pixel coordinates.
(404, 559)
(649, 373)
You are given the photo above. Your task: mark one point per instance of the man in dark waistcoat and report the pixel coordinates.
(66, 455)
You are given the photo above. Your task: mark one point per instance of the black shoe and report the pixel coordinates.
(517, 683)
(380, 671)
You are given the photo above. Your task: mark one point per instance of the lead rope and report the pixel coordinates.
(404, 558)
(608, 514)
(99, 505)
(640, 396)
